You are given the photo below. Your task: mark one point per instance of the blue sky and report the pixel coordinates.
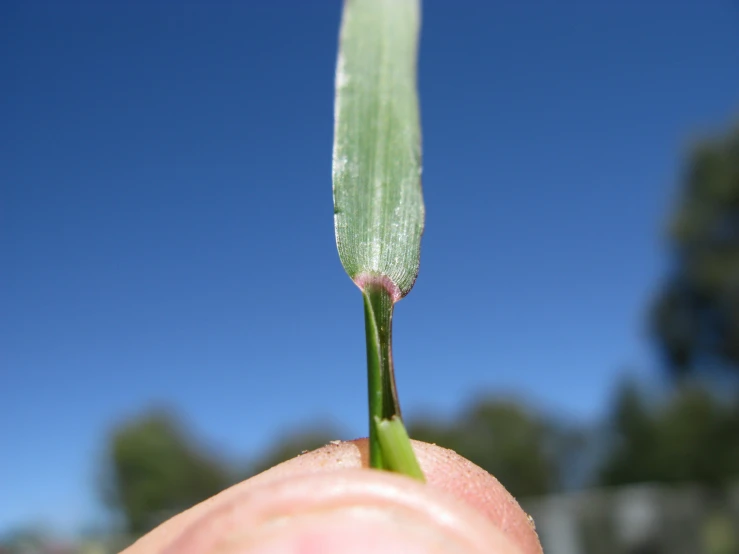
(167, 233)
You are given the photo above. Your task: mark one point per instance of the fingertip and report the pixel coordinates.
(352, 510)
(452, 482)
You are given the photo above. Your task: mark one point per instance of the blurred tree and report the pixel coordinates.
(502, 438)
(24, 540)
(156, 470)
(632, 458)
(693, 437)
(695, 317)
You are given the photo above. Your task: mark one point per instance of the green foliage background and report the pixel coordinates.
(695, 317)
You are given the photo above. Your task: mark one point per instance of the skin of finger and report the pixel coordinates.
(444, 470)
(341, 511)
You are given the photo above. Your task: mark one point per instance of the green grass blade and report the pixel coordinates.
(378, 205)
(383, 398)
(398, 454)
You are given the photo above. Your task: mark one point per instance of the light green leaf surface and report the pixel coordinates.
(378, 206)
(396, 447)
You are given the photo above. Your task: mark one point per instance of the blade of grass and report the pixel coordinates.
(378, 205)
(398, 454)
(383, 398)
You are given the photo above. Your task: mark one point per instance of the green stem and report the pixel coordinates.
(396, 448)
(383, 396)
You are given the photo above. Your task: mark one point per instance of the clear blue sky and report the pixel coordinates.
(167, 231)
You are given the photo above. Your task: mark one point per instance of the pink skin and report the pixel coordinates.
(326, 501)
